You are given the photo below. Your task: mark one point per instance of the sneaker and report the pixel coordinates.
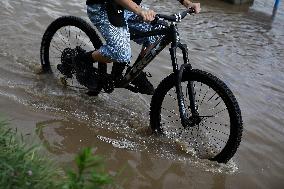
(117, 71)
(143, 84)
(86, 74)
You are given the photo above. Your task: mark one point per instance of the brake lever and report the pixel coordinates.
(191, 10)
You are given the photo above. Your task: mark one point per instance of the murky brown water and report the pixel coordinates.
(242, 45)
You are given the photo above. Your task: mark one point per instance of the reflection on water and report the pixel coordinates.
(242, 45)
(61, 137)
(152, 161)
(219, 182)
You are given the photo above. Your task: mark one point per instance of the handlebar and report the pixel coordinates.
(175, 17)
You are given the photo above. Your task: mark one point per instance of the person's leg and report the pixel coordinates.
(117, 46)
(98, 57)
(116, 49)
(134, 22)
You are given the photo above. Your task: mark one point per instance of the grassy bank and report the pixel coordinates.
(22, 166)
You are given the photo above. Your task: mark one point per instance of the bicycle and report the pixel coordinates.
(206, 115)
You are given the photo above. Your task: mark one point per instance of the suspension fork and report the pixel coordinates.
(190, 87)
(186, 120)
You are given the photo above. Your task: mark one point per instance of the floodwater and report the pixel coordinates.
(242, 45)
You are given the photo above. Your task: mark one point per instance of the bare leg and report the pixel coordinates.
(97, 57)
(117, 68)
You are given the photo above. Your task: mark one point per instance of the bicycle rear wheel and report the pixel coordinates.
(61, 41)
(219, 133)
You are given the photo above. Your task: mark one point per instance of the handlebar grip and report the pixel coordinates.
(175, 17)
(188, 11)
(166, 17)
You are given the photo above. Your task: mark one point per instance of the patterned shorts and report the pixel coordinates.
(117, 39)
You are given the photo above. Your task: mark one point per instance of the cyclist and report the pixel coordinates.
(113, 18)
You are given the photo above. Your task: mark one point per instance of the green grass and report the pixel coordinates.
(22, 167)
(90, 172)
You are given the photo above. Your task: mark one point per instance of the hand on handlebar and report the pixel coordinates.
(195, 6)
(147, 15)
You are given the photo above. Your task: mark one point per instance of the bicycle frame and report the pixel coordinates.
(142, 61)
(170, 35)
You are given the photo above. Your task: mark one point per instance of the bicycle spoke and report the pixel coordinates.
(66, 39)
(86, 43)
(211, 97)
(57, 48)
(217, 113)
(213, 123)
(76, 39)
(69, 34)
(62, 39)
(204, 96)
(210, 136)
(217, 104)
(172, 96)
(66, 34)
(81, 40)
(170, 111)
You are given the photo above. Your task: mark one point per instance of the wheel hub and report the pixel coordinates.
(191, 121)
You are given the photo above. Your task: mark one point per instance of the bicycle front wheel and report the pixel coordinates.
(219, 132)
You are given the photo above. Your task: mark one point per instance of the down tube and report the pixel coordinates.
(140, 64)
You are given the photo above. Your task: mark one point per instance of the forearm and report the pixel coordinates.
(189, 4)
(184, 1)
(129, 5)
(181, 1)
